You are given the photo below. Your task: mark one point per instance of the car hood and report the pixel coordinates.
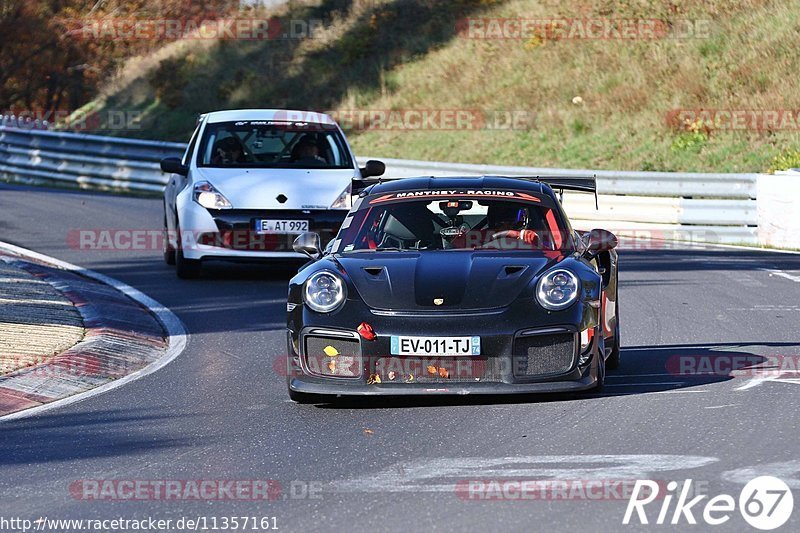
(259, 188)
(407, 281)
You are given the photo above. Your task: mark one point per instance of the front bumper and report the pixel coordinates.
(305, 386)
(517, 356)
(231, 233)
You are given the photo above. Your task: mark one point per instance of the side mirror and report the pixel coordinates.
(599, 240)
(173, 165)
(373, 168)
(308, 243)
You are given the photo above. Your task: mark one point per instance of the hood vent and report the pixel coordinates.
(513, 270)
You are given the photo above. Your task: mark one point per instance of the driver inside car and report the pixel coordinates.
(306, 152)
(228, 151)
(507, 221)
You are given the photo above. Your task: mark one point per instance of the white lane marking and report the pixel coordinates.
(176, 332)
(609, 376)
(681, 391)
(721, 406)
(443, 474)
(758, 380)
(752, 383)
(787, 471)
(640, 393)
(763, 351)
(793, 381)
(767, 308)
(35, 302)
(781, 273)
(702, 245)
(652, 384)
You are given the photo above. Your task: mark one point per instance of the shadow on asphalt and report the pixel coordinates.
(699, 259)
(229, 297)
(644, 369)
(73, 436)
(200, 303)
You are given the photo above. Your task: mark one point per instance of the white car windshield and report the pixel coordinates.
(273, 144)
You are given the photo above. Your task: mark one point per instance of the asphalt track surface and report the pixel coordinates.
(220, 410)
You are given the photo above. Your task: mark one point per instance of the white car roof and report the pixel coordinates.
(289, 115)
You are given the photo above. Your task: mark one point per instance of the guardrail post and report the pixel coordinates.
(779, 209)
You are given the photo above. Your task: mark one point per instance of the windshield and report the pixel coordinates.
(272, 144)
(453, 222)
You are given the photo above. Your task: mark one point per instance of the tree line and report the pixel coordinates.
(53, 59)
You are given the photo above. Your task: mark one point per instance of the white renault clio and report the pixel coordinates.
(251, 180)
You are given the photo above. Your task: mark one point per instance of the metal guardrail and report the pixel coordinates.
(699, 207)
(738, 186)
(721, 205)
(86, 161)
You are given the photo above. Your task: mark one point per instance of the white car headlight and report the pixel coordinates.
(557, 289)
(324, 291)
(344, 200)
(209, 197)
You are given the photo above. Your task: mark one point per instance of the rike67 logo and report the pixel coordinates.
(765, 503)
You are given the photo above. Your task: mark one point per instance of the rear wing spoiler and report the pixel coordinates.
(569, 183)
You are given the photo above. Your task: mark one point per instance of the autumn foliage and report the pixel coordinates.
(47, 62)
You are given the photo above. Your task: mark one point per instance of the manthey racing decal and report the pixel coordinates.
(473, 193)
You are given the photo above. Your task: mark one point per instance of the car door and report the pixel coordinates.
(177, 183)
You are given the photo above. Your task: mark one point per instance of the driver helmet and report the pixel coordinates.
(507, 216)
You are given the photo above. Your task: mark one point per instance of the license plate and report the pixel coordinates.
(436, 346)
(281, 226)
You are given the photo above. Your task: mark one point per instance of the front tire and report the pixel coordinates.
(186, 268)
(601, 370)
(612, 363)
(169, 250)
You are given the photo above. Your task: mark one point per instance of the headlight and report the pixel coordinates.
(557, 289)
(324, 291)
(344, 200)
(206, 195)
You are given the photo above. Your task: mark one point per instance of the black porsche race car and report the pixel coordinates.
(454, 286)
